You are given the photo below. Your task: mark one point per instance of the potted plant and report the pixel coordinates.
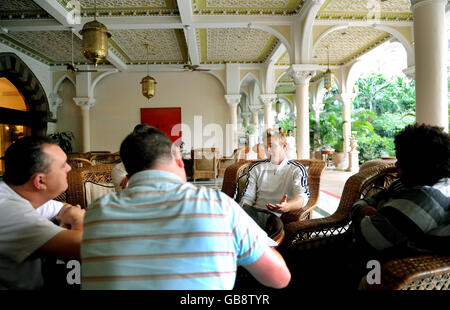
(64, 140)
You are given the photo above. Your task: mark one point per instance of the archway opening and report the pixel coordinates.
(10, 99)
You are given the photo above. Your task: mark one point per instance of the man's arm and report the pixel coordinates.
(270, 269)
(66, 244)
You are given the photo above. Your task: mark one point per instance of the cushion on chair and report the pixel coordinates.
(205, 164)
(96, 190)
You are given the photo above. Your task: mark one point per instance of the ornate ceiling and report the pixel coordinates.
(219, 31)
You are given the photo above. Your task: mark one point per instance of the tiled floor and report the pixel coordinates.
(331, 186)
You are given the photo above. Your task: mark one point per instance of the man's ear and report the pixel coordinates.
(38, 181)
(178, 158)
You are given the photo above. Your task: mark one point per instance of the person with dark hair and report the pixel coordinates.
(164, 233)
(118, 173)
(410, 217)
(35, 172)
(413, 213)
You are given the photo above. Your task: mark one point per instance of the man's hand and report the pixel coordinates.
(367, 211)
(71, 217)
(281, 207)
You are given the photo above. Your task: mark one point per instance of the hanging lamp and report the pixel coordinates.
(95, 40)
(278, 107)
(328, 76)
(148, 83)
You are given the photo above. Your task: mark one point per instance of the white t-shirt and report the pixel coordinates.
(22, 231)
(118, 173)
(267, 183)
(50, 209)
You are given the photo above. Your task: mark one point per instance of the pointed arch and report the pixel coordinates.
(18, 73)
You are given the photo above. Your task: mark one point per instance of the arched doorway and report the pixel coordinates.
(23, 103)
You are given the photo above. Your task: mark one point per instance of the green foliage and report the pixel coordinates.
(388, 124)
(382, 108)
(330, 125)
(380, 95)
(373, 146)
(250, 129)
(286, 123)
(64, 140)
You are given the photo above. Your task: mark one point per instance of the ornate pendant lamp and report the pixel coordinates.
(148, 83)
(278, 107)
(95, 40)
(328, 76)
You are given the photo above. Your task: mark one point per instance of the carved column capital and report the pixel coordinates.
(302, 74)
(268, 99)
(410, 72)
(85, 103)
(346, 98)
(233, 100)
(255, 107)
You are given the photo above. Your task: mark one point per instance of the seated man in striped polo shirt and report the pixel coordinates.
(276, 184)
(164, 233)
(413, 214)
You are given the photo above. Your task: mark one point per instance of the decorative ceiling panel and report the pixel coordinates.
(166, 45)
(54, 47)
(347, 44)
(284, 60)
(247, 7)
(126, 7)
(367, 9)
(20, 9)
(285, 85)
(242, 45)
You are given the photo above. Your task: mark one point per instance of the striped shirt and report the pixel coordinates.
(415, 217)
(162, 233)
(267, 183)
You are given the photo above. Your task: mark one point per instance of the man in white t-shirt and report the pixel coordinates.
(35, 172)
(277, 184)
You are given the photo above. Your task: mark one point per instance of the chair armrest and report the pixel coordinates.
(355, 187)
(231, 176)
(430, 272)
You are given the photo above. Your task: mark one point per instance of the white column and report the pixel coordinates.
(301, 74)
(346, 99)
(85, 103)
(253, 138)
(430, 43)
(233, 101)
(268, 100)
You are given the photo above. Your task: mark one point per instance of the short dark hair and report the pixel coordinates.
(24, 158)
(140, 127)
(141, 150)
(423, 154)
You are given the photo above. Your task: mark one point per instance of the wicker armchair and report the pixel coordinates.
(78, 162)
(89, 183)
(205, 163)
(102, 159)
(418, 272)
(235, 175)
(225, 162)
